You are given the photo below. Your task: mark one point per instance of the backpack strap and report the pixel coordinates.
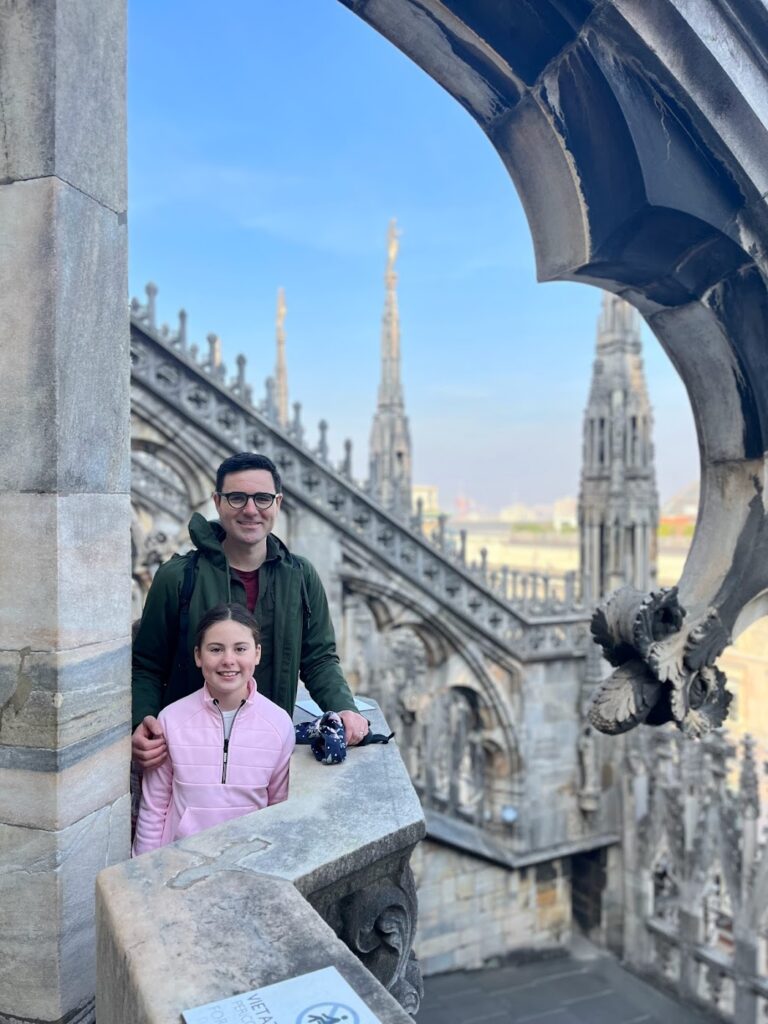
(177, 684)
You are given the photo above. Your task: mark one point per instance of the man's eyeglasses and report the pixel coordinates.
(239, 499)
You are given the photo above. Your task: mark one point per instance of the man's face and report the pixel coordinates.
(249, 525)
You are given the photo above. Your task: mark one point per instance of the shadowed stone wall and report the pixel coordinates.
(473, 911)
(64, 495)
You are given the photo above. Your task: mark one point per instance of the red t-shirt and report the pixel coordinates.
(250, 580)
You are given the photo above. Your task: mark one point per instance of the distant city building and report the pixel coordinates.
(565, 514)
(520, 513)
(618, 503)
(389, 480)
(428, 495)
(684, 503)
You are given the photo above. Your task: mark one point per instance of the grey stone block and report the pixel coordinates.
(62, 80)
(64, 341)
(66, 560)
(54, 800)
(47, 895)
(57, 701)
(261, 929)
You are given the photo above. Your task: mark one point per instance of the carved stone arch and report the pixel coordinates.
(576, 97)
(176, 458)
(441, 638)
(716, 909)
(436, 649)
(666, 883)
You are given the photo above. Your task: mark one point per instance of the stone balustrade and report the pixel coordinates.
(320, 880)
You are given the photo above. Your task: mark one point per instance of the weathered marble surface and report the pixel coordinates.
(47, 963)
(64, 502)
(226, 910)
(66, 374)
(61, 78)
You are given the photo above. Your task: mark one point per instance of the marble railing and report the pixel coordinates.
(320, 880)
(534, 615)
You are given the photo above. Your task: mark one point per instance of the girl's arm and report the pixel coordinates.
(156, 788)
(277, 790)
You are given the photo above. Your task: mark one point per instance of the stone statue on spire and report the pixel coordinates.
(393, 246)
(281, 370)
(389, 480)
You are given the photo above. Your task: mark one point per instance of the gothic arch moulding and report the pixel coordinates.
(635, 132)
(462, 755)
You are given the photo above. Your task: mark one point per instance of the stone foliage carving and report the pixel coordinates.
(378, 923)
(665, 670)
(376, 918)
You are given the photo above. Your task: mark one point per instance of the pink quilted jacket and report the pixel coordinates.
(204, 780)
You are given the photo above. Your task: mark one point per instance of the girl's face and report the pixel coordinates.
(227, 657)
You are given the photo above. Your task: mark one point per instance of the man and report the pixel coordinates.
(237, 559)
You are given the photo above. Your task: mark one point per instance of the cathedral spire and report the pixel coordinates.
(618, 503)
(281, 371)
(390, 445)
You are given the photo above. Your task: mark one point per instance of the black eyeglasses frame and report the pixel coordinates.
(229, 495)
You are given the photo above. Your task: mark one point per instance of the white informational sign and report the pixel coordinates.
(320, 997)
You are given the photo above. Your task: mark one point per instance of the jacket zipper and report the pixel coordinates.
(225, 757)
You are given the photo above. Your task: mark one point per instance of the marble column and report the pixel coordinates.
(64, 494)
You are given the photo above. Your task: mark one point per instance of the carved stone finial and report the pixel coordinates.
(270, 407)
(749, 787)
(151, 290)
(297, 430)
(240, 382)
(181, 334)
(463, 547)
(418, 519)
(214, 351)
(322, 444)
(442, 519)
(346, 463)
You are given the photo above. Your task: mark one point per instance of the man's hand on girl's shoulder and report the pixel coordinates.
(148, 746)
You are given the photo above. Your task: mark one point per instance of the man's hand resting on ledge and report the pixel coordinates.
(355, 727)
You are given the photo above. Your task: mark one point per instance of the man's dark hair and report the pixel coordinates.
(247, 460)
(227, 613)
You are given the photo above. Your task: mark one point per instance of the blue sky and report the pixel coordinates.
(270, 142)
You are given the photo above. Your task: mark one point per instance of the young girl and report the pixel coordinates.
(228, 747)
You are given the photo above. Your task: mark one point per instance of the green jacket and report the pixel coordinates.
(292, 609)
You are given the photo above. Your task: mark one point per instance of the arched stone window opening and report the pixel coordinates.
(665, 896)
(717, 914)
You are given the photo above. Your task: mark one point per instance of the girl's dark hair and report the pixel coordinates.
(227, 613)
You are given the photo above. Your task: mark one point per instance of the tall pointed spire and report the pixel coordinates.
(281, 371)
(390, 445)
(618, 503)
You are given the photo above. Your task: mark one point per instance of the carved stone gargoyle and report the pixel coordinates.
(664, 671)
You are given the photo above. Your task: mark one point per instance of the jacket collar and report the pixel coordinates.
(208, 534)
(250, 697)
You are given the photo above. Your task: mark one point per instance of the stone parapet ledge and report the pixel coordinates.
(320, 880)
